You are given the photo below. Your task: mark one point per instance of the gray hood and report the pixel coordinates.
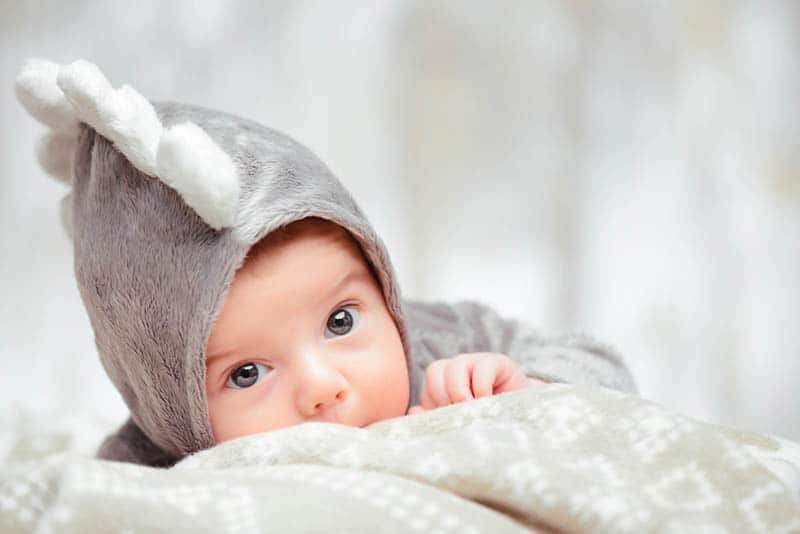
(153, 273)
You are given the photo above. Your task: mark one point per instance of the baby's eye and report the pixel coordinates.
(246, 375)
(342, 321)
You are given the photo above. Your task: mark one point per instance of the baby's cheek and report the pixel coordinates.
(390, 387)
(228, 415)
(236, 413)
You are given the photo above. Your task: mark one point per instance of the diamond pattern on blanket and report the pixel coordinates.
(651, 431)
(686, 487)
(562, 420)
(556, 458)
(757, 509)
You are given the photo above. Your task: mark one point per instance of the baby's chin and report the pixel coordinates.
(381, 419)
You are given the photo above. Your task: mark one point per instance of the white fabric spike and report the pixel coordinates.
(55, 153)
(39, 94)
(190, 162)
(183, 157)
(83, 85)
(123, 116)
(135, 125)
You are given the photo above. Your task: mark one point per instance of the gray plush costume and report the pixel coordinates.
(153, 272)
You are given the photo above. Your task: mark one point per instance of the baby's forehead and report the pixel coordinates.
(310, 239)
(311, 227)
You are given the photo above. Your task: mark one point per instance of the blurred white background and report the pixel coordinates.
(631, 170)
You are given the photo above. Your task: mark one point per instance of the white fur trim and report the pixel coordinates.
(55, 153)
(123, 116)
(39, 94)
(204, 175)
(135, 125)
(84, 85)
(183, 157)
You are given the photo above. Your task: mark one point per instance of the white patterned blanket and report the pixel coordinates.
(552, 458)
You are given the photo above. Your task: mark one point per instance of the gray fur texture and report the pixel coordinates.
(153, 277)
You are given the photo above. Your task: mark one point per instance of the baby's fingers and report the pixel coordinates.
(484, 374)
(435, 393)
(425, 400)
(457, 379)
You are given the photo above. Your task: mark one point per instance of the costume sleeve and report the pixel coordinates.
(439, 330)
(129, 444)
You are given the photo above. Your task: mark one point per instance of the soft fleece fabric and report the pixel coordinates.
(557, 458)
(153, 275)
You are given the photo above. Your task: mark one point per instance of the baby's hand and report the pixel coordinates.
(469, 376)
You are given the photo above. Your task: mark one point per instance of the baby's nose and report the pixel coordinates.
(340, 395)
(320, 385)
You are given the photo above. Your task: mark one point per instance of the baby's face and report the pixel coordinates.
(304, 334)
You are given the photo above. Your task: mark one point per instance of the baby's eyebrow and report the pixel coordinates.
(217, 356)
(353, 275)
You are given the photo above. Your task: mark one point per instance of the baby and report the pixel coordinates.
(234, 286)
(305, 335)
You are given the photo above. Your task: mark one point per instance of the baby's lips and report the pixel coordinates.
(415, 410)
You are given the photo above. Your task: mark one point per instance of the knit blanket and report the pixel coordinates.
(552, 458)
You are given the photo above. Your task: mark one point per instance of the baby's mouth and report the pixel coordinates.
(342, 417)
(335, 416)
(331, 415)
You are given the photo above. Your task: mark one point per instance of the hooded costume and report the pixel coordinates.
(166, 199)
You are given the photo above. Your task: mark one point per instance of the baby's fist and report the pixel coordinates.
(468, 376)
